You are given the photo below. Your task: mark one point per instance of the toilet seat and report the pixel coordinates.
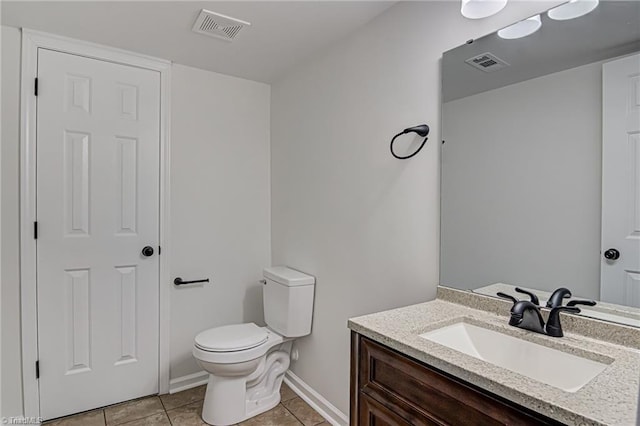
(231, 338)
(239, 355)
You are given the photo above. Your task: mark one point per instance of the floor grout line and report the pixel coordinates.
(168, 418)
(162, 402)
(291, 412)
(296, 417)
(142, 418)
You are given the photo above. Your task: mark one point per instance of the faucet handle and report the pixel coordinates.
(534, 298)
(554, 328)
(507, 296)
(526, 314)
(582, 302)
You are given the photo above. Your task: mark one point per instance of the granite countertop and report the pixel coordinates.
(611, 398)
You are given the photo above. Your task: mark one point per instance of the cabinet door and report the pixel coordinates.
(373, 413)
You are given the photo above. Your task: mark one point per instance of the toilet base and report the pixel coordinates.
(224, 401)
(264, 406)
(231, 400)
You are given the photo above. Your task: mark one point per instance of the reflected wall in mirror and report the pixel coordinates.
(541, 160)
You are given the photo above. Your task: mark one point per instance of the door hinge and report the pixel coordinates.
(37, 369)
(159, 250)
(35, 89)
(35, 230)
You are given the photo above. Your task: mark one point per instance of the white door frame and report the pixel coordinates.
(31, 42)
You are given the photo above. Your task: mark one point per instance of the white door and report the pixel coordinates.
(620, 277)
(97, 207)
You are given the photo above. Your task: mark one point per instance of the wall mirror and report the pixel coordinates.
(541, 160)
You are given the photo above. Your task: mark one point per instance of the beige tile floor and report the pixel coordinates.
(184, 408)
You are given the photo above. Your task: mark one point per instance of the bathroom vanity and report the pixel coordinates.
(389, 387)
(400, 376)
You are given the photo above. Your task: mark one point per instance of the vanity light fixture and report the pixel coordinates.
(477, 9)
(573, 9)
(521, 29)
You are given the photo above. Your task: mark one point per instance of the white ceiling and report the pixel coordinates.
(281, 33)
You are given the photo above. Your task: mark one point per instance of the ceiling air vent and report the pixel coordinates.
(217, 25)
(487, 62)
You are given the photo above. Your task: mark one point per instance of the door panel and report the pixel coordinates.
(620, 278)
(97, 206)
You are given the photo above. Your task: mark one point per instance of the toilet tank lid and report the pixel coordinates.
(287, 276)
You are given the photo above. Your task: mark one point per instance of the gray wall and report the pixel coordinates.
(365, 224)
(220, 198)
(521, 190)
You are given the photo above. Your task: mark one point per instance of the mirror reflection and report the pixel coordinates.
(541, 160)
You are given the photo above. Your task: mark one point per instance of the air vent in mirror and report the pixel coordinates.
(487, 62)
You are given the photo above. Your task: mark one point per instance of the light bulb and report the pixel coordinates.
(477, 9)
(573, 9)
(521, 29)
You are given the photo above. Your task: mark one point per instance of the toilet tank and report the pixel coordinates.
(288, 301)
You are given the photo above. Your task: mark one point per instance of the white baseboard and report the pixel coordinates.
(315, 400)
(189, 381)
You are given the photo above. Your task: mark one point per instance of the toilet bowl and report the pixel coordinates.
(246, 363)
(237, 359)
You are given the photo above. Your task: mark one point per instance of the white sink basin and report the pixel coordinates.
(551, 366)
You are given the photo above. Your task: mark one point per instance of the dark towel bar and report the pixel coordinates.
(179, 281)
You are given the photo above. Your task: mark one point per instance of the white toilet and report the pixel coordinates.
(246, 363)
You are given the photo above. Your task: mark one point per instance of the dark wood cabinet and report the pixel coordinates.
(389, 388)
